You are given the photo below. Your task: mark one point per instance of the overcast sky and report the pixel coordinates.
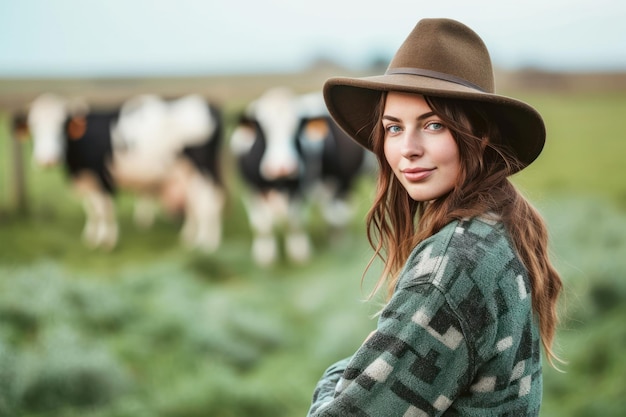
(196, 37)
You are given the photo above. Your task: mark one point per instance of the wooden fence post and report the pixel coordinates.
(18, 133)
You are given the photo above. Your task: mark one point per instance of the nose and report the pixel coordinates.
(279, 165)
(411, 146)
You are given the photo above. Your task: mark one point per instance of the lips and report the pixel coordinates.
(417, 174)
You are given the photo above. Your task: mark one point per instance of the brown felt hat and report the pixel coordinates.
(439, 58)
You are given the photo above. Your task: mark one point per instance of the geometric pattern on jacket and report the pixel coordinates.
(457, 338)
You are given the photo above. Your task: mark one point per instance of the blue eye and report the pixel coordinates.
(393, 129)
(434, 126)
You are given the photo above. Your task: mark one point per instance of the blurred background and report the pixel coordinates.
(152, 328)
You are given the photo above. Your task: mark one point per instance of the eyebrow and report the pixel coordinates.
(419, 118)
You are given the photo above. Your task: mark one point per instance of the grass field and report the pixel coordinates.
(150, 329)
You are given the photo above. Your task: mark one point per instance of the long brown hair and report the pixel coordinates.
(396, 223)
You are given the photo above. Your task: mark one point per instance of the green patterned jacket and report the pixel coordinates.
(457, 338)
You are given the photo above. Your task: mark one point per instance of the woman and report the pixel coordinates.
(471, 292)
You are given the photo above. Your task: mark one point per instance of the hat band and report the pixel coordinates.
(434, 74)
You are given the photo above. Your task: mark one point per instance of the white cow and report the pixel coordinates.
(285, 146)
(157, 149)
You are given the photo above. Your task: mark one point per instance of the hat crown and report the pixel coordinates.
(448, 49)
(440, 58)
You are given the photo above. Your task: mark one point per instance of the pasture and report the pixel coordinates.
(150, 329)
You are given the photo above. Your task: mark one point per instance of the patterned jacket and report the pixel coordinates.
(457, 338)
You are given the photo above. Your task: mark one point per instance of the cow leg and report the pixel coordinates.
(337, 212)
(202, 228)
(101, 229)
(262, 222)
(297, 242)
(144, 212)
(334, 205)
(108, 229)
(90, 230)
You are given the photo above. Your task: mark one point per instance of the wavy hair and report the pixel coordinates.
(396, 223)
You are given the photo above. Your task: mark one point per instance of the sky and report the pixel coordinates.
(108, 38)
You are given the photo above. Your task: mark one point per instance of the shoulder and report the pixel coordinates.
(477, 247)
(474, 268)
(473, 265)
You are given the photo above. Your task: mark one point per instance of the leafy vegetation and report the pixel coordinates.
(150, 329)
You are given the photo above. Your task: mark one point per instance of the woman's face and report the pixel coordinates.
(418, 147)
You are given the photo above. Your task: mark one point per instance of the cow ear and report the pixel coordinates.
(316, 130)
(76, 127)
(19, 127)
(242, 138)
(245, 120)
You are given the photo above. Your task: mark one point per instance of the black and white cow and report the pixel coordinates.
(288, 149)
(156, 149)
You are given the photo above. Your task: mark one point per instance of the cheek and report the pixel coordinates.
(448, 153)
(454, 159)
(455, 164)
(390, 155)
(449, 160)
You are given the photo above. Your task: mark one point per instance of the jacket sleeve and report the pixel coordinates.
(325, 388)
(415, 364)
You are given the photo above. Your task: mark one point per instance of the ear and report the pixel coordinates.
(244, 135)
(316, 130)
(244, 119)
(76, 127)
(19, 127)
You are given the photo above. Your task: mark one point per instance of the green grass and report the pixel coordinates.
(584, 148)
(150, 329)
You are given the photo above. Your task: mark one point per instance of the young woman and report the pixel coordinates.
(471, 291)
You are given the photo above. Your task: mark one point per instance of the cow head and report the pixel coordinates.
(277, 115)
(46, 121)
(51, 121)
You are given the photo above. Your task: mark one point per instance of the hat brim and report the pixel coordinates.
(352, 102)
